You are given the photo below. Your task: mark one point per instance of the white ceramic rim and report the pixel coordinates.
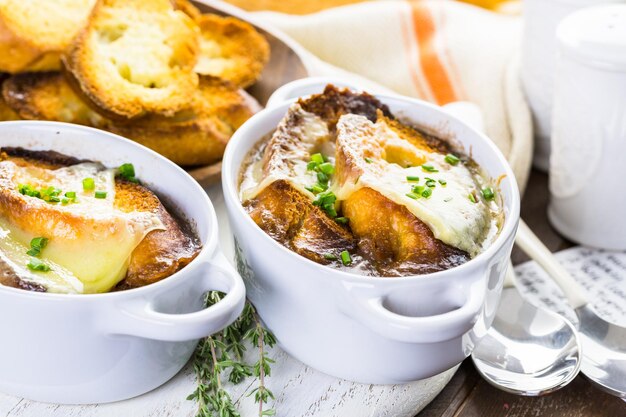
(230, 186)
(208, 248)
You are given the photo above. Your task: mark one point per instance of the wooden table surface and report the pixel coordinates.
(468, 395)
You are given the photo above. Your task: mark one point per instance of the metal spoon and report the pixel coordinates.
(528, 350)
(603, 343)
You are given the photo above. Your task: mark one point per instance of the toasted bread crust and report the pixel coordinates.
(160, 253)
(197, 136)
(47, 96)
(135, 58)
(231, 49)
(34, 35)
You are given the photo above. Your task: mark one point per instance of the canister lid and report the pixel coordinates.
(596, 36)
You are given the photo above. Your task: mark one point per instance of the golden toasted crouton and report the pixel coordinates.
(47, 96)
(197, 136)
(135, 57)
(231, 49)
(34, 33)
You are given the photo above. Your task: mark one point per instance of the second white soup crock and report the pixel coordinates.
(366, 329)
(94, 348)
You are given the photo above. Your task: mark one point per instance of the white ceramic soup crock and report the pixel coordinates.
(364, 329)
(78, 349)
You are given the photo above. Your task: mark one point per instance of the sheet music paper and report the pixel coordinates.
(601, 273)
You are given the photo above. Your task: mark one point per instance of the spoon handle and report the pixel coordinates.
(537, 251)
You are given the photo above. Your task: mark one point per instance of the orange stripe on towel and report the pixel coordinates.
(431, 64)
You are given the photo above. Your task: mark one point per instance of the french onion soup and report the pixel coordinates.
(72, 226)
(345, 183)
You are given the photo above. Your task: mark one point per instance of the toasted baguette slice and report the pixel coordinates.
(197, 136)
(35, 33)
(47, 96)
(134, 58)
(231, 49)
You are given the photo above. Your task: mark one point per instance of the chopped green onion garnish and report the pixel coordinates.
(429, 168)
(36, 265)
(452, 159)
(65, 201)
(472, 198)
(330, 257)
(427, 192)
(443, 182)
(431, 184)
(327, 168)
(413, 196)
(418, 189)
(89, 184)
(36, 246)
(326, 201)
(70, 194)
(369, 160)
(345, 258)
(127, 171)
(311, 166)
(488, 193)
(101, 194)
(342, 220)
(316, 188)
(321, 177)
(317, 158)
(412, 178)
(54, 199)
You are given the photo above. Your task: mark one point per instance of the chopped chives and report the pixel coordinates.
(443, 182)
(413, 196)
(311, 166)
(65, 201)
(70, 194)
(101, 194)
(342, 220)
(418, 189)
(452, 159)
(429, 168)
(321, 177)
(345, 258)
(127, 171)
(488, 193)
(36, 246)
(431, 184)
(330, 257)
(427, 192)
(472, 198)
(412, 178)
(317, 158)
(37, 265)
(89, 184)
(327, 168)
(54, 199)
(368, 160)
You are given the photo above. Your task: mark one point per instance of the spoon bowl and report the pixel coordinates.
(604, 347)
(528, 350)
(603, 342)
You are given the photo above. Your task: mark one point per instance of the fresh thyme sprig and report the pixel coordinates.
(223, 352)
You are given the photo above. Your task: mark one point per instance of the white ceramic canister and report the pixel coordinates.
(588, 164)
(541, 18)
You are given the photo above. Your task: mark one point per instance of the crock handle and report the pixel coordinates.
(372, 313)
(306, 87)
(142, 319)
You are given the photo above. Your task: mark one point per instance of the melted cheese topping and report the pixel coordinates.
(90, 241)
(450, 214)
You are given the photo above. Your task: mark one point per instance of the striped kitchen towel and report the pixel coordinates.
(436, 50)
